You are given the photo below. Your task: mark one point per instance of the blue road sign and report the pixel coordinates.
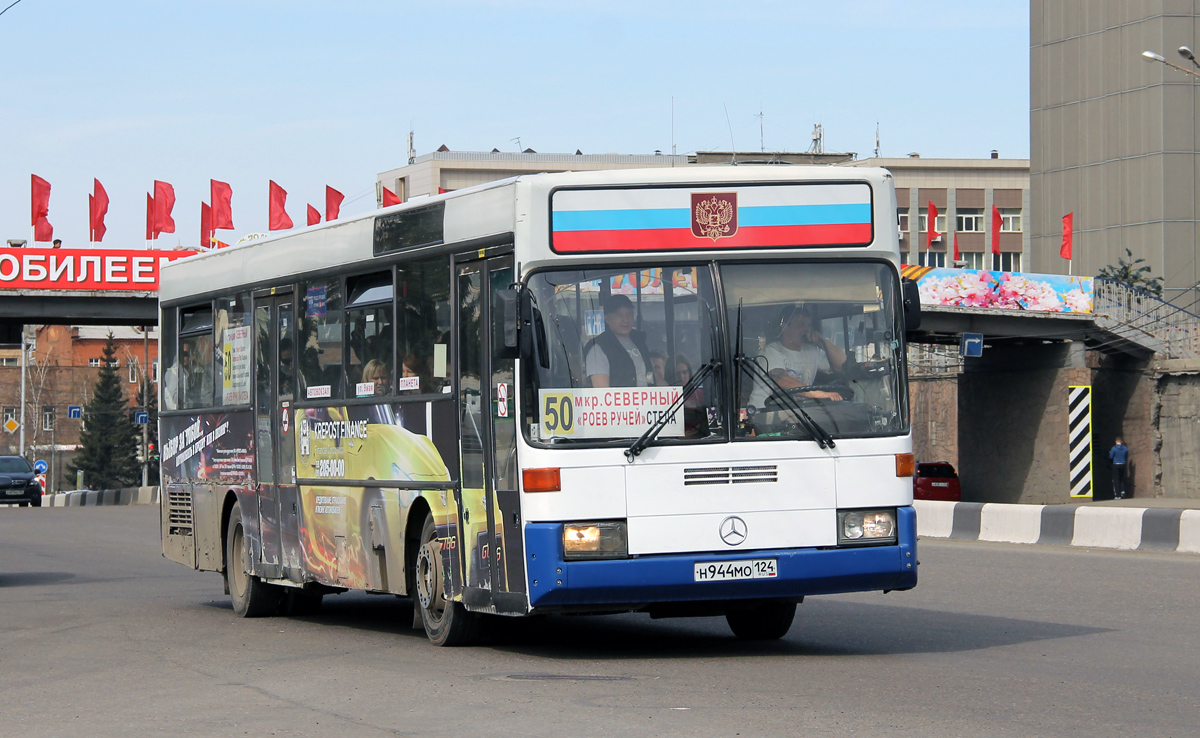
(972, 345)
(141, 417)
(74, 411)
(40, 466)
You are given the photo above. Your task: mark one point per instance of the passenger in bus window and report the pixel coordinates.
(658, 362)
(618, 356)
(800, 352)
(377, 373)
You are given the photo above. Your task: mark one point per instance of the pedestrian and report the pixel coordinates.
(57, 244)
(1118, 456)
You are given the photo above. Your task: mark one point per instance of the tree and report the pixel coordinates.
(1130, 273)
(109, 441)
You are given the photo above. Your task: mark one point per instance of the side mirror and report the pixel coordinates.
(912, 305)
(532, 331)
(504, 324)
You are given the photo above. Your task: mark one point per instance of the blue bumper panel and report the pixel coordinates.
(670, 577)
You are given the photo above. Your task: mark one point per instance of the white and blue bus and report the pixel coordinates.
(674, 391)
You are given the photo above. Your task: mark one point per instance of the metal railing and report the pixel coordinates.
(929, 360)
(1177, 328)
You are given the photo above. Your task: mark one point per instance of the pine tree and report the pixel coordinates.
(109, 441)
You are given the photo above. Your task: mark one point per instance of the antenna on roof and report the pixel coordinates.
(412, 151)
(818, 139)
(672, 125)
(732, 145)
(762, 146)
(517, 141)
(876, 139)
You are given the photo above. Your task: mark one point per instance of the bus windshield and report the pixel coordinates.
(819, 340)
(616, 347)
(619, 346)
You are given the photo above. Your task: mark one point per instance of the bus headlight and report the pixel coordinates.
(865, 527)
(598, 540)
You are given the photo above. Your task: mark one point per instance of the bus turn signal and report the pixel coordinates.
(906, 465)
(541, 480)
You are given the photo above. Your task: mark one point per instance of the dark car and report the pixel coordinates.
(936, 480)
(18, 482)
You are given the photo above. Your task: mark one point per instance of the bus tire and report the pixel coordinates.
(251, 597)
(768, 621)
(447, 623)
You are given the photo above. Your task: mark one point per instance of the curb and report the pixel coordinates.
(1125, 528)
(94, 498)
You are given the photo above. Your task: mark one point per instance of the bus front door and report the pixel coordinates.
(490, 533)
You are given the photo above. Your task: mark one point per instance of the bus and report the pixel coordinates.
(676, 391)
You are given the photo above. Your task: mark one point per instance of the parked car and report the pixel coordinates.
(936, 480)
(18, 483)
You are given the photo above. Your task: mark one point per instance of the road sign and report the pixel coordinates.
(40, 466)
(972, 345)
(74, 411)
(11, 425)
(141, 417)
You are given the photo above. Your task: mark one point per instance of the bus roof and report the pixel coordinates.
(518, 205)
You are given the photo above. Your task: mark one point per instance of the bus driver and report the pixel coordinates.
(618, 357)
(794, 360)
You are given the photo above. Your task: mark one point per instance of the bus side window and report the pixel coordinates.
(232, 330)
(319, 341)
(170, 374)
(423, 325)
(369, 321)
(195, 371)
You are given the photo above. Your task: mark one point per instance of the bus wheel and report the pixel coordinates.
(251, 597)
(447, 623)
(766, 622)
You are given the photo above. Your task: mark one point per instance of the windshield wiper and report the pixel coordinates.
(661, 422)
(822, 437)
(751, 367)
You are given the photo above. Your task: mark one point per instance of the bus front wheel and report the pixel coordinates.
(765, 622)
(251, 597)
(447, 623)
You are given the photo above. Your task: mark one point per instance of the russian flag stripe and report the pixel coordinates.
(656, 218)
(676, 239)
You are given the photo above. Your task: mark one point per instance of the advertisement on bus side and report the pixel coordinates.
(216, 447)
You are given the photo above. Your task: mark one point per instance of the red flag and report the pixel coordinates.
(164, 203)
(333, 203)
(997, 221)
(97, 209)
(221, 196)
(40, 202)
(957, 256)
(278, 220)
(150, 234)
(314, 215)
(220, 244)
(389, 198)
(206, 229)
(1068, 235)
(931, 224)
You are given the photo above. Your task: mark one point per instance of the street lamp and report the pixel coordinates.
(1184, 51)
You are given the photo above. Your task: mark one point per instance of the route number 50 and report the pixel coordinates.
(558, 413)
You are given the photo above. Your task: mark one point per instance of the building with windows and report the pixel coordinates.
(64, 364)
(1113, 138)
(963, 191)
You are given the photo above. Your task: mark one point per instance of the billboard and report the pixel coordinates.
(976, 288)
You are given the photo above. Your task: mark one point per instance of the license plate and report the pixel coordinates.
(940, 484)
(725, 571)
(14, 491)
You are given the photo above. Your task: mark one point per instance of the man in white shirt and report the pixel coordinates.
(794, 360)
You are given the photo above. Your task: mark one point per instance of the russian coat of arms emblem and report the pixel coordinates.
(714, 214)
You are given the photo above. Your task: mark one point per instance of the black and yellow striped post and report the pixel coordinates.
(1079, 413)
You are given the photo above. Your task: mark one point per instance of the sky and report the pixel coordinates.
(310, 94)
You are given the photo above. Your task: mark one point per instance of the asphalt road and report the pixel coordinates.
(101, 636)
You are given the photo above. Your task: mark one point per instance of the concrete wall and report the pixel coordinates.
(934, 405)
(1012, 431)
(1123, 402)
(1177, 416)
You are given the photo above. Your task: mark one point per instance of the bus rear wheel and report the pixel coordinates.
(447, 623)
(251, 597)
(768, 621)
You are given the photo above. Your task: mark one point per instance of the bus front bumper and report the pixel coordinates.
(660, 578)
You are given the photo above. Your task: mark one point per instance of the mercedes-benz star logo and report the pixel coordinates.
(733, 530)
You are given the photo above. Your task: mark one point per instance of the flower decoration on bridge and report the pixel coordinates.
(1047, 293)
